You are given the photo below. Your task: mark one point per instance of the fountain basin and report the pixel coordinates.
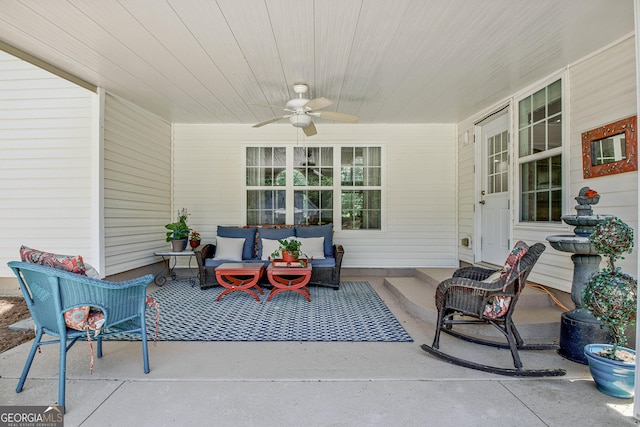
(572, 243)
(585, 224)
(585, 220)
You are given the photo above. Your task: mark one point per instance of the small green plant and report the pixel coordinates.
(289, 245)
(611, 295)
(178, 230)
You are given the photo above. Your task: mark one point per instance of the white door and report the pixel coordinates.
(494, 201)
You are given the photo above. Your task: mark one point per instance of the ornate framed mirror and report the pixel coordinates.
(610, 149)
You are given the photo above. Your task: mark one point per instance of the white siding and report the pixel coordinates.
(601, 90)
(419, 187)
(466, 190)
(46, 163)
(137, 185)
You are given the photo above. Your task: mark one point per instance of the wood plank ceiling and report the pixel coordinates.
(403, 61)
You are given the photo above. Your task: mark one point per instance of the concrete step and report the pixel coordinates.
(433, 276)
(537, 317)
(531, 297)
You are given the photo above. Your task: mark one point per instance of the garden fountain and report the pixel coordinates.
(579, 327)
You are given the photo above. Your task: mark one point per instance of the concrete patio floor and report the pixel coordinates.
(310, 384)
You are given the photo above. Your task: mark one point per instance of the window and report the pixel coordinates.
(541, 182)
(497, 163)
(313, 182)
(361, 180)
(540, 155)
(299, 185)
(265, 175)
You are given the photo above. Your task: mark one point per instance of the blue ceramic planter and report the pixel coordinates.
(612, 377)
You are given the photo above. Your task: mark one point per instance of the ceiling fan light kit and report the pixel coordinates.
(300, 120)
(300, 111)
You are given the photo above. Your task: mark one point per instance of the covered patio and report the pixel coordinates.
(310, 383)
(105, 138)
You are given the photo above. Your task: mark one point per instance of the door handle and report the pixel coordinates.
(482, 202)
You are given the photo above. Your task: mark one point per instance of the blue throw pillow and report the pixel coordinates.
(325, 231)
(249, 234)
(273, 234)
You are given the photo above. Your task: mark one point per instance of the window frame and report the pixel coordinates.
(337, 187)
(563, 151)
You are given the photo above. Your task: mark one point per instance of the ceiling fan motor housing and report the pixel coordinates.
(297, 104)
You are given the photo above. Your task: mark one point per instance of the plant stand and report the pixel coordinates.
(160, 278)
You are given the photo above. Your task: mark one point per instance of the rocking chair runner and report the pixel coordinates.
(50, 292)
(472, 294)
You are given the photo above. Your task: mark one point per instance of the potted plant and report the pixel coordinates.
(611, 296)
(194, 239)
(290, 250)
(178, 231)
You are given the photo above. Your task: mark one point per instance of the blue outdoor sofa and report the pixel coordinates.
(257, 246)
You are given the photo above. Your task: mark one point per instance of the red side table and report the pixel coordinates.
(289, 279)
(240, 277)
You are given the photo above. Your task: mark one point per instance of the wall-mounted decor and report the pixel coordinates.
(610, 149)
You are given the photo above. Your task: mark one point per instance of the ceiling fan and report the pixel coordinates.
(300, 111)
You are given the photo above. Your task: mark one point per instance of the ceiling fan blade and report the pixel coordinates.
(310, 130)
(338, 117)
(317, 104)
(274, 119)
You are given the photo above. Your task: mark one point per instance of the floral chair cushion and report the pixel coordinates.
(513, 260)
(78, 318)
(71, 263)
(497, 306)
(84, 318)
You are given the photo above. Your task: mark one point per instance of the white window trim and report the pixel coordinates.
(562, 75)
(337, 189)
(383, 174)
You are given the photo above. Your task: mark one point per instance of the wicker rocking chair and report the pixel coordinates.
(473, 294)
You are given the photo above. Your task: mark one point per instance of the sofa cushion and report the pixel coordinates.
(312, 247)
(325, 231)
(267, 247)
(211, 262)
(328, 262)
(229, 248)
(275, 233)
(316, 263)
(249, 234)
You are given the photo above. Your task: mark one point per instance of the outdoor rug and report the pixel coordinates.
(355, 312)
